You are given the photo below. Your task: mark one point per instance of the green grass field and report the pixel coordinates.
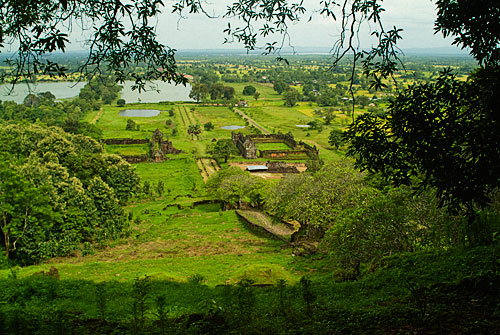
(174, 244)
(168, 237)
(273, 146)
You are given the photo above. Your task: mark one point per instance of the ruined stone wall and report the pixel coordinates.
(124, 141)
(311, 151)
(274, 138)
(136, 158)
(164, 147)
(245, 145)
(282, 154)
(248, 149)
(280, 167)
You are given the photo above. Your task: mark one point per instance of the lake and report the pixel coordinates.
(139, 112)
(68, 89)
(61, 89)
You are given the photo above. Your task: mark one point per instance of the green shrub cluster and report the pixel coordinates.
(58, 190)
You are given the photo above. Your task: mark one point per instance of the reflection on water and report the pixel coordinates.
(139, 112)
(232, 127)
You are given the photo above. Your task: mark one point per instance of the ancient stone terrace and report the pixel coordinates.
(248, 147)
(160, 148)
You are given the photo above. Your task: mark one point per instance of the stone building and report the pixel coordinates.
(245, 145)
(160, 148)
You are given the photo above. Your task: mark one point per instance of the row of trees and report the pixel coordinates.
(216, 91)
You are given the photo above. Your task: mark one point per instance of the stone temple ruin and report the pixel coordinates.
(248, 148)
(245, 145)
(160, 148)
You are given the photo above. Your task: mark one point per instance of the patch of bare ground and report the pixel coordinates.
(98, 115)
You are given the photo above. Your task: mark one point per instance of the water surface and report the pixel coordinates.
(139, 112)
(158, 91)
(233, 127)
(61, 89)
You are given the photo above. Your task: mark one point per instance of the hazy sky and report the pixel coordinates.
(415, 17)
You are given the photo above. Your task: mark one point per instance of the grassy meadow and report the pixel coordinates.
(170, 238)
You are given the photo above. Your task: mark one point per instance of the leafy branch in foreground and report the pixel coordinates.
(444, 135)
(118, 35)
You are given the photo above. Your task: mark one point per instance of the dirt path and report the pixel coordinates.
(98, 115)
(245, 117)
(207, 167)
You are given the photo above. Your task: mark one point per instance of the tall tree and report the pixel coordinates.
(24, 209)
(291, 97)
(198, 92)
(194, 130)
(223, 149)
(444, 134)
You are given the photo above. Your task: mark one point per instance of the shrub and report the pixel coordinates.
(249, 90)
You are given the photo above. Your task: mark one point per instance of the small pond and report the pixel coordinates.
(302, 125)
(233, 127)
(139, 112)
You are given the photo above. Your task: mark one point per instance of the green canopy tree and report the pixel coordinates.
(72, 206)
(249, 90)
(444, 135)
(24, 209)
(194, 130)
(234, 186)
(291, 97)
(198, 92)
(316, 200)
(223, 149)
(336, 138)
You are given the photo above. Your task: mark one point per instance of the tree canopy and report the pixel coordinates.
(443, 134)
(58, 190)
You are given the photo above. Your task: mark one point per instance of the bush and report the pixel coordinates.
(120, 102)
(131, 125)
(249, 90)
(208, 126)
(389, 223)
